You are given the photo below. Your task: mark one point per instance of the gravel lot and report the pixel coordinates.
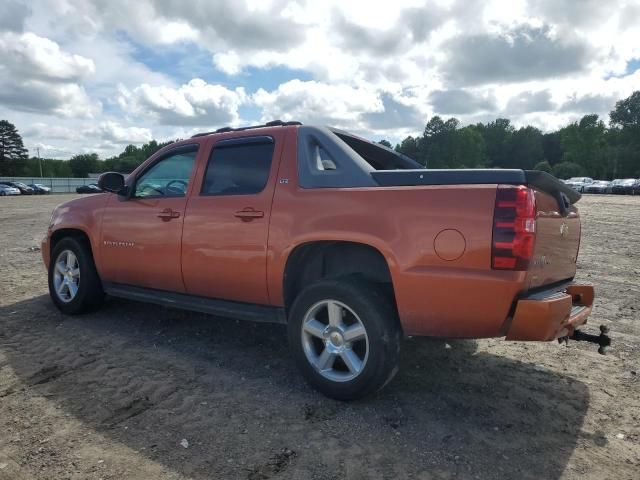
(143, 392)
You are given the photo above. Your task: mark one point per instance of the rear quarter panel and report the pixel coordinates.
(462, 297)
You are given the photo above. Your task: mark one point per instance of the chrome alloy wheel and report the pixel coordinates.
(66, 276)
(335, 341)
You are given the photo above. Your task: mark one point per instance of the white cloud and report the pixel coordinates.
(66, 99)
(33, 56)
(372, 68)
(114, 132)
(316, 102)
(37, 75)
(107, 138)
(196, 103)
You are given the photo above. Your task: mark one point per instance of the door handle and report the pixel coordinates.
(167, 214)
(249, 214)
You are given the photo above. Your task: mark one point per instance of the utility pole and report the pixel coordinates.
(39, 161)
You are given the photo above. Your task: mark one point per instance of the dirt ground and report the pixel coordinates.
(142, 392)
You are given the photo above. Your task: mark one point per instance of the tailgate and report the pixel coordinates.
(557, 242)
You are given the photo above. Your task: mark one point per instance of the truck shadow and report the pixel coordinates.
(230, 388)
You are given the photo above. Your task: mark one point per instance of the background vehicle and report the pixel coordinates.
(635, 190)
(598, 186)
(578, 183)
(612, 184)
(90, 188)
(624, 187)
(24, 189)
(40, 189)
(348, 243)
(8, 190)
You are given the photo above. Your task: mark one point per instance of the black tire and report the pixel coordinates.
(375, 311)
(90, 294)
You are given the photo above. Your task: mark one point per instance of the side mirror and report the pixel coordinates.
(112, 182)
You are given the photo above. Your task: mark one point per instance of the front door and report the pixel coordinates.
(141, 234)
(224, 243)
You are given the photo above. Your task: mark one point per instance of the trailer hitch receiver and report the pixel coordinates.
(603, 340)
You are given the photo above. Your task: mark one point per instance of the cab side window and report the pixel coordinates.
(238, 166)
(169, 177)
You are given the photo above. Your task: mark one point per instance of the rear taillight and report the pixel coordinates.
(514, 228)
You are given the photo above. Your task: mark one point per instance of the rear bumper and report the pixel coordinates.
(551, 315)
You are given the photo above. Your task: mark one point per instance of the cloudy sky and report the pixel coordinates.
(95, 75)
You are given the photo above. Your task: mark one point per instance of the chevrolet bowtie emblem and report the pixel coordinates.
(564, 229)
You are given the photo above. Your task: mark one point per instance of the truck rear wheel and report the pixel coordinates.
(345, 337)
(74, 284)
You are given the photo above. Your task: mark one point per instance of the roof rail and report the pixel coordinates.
(273, 123)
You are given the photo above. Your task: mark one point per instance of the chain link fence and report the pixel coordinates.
(57, 185)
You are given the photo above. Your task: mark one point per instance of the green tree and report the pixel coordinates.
(626, 113)
(56, 168)
(567, 170)
(623, 154)
(131, 157)
(437, 142)
(12, 151)
(584, 143)
(623, 138)
(524, 148)
(84, 164)
(543, 167)
(497, 136)
(466, 149)
(385, 143)
(409, 147)
(552, 146)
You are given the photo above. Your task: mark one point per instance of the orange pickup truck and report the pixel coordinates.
(350, 244)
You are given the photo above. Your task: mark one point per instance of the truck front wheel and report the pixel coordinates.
(74, 284)
(345, 337)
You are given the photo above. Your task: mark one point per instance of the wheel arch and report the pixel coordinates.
(76, 233)
(324, 259)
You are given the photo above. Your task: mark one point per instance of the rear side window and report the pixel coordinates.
(323, 161)
(238, 167)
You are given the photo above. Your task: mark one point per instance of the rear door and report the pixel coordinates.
(224, 242)
(141, 235)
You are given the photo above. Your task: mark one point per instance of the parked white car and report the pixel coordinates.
(7, 190)
(579, 183)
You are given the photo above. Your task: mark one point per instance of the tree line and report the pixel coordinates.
(587, 147)
(19, 164)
